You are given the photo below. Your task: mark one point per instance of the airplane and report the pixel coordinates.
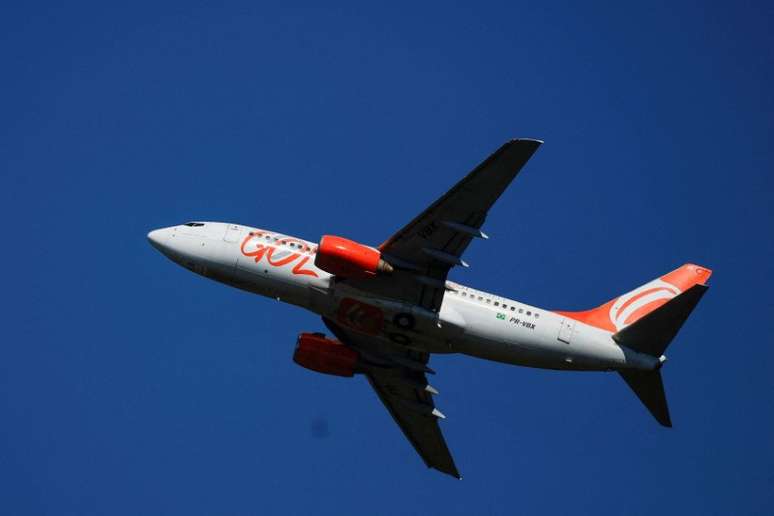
(389, 308)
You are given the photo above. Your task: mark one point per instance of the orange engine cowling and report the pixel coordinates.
(323, 355)
(348, 259)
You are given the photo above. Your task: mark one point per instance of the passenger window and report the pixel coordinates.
(529, 313)
(521, 310)
(497, 303)
(513, 309)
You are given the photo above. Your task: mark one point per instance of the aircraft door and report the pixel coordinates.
(233, 232)
(566, 329)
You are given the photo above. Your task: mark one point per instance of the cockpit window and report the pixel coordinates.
(194, 224)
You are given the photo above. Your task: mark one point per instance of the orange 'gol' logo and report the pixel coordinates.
(258, 249)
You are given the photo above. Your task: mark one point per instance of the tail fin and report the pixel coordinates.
(649, 388)
(623, 311)
(651, 334)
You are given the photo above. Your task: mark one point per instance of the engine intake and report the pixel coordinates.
(348, 259)
(316, 352)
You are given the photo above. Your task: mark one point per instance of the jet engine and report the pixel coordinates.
(348, 259)
(316, 352)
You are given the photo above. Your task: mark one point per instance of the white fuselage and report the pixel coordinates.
(469, 321)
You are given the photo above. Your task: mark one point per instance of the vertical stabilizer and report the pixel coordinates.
(625, 310)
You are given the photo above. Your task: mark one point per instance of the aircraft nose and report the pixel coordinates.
(157, 237)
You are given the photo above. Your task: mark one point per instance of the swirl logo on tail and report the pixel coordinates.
(643, 300)
(622, 311)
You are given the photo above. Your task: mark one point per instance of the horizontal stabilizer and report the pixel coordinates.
(652, 333)
(649, 388)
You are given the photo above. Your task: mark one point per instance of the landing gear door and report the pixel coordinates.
(566, 329)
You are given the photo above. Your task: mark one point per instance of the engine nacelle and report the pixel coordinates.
(323, 355)
(348, 259)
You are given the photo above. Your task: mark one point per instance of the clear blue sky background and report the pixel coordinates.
(130, 386)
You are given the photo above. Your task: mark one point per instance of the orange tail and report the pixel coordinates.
(622, 311)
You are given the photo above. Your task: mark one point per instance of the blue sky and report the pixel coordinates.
(130, 386)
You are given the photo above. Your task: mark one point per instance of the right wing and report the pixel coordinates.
(398, 377)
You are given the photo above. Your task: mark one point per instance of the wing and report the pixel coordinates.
(398, 377)
(426, 249)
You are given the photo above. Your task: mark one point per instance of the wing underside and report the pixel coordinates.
(398, 377)
(424, 250)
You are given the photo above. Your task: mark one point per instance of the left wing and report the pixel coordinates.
(424, 250)
(398, 377)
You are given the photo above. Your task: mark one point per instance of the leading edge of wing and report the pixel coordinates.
(530, 145)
